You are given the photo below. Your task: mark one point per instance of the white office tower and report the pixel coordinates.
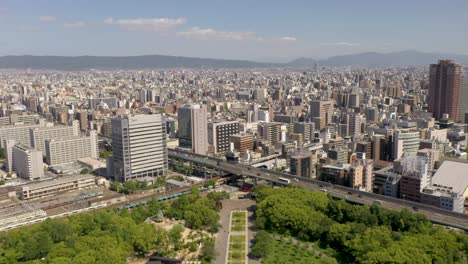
(39, 135)
(27, 162)
(193, 128)
(139, 150)
(70, 149)
(405, 143)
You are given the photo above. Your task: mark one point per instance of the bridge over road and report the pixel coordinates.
(434, 214)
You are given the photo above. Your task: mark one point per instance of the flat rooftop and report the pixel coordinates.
(58, 181)
(452, 174)
(338, 166)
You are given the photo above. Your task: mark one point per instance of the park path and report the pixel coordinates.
(223, 234)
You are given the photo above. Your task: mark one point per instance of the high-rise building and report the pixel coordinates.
(301, 164)
(193, 128)
(405, 143)
(39, 135)
(464, 98)
(219, 133)
(20, 133)
(340, 155)
(365, 147)
(444, 89)
(70, 149)
(270, 131)
(352, 121)
(242, 142)
(322, 110)
(82, 117)
(306, 129)
(139, 149)
(27, 162)
(372, 114)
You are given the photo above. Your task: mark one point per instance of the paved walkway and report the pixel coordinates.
(223, 234)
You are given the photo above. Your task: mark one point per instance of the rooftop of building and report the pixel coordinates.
(23, 147)
(51, 127)
(338, 166)
(71, 138)
(301, 154)
(62, 180)
(452, 174)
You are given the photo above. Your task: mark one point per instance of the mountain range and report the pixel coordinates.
(163, 61)
(407, 57)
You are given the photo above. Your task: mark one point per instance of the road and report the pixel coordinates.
(436, 215)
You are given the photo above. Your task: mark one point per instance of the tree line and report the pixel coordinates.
(358, 234)
(110, 236)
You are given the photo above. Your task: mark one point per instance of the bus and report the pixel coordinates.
(284, 180)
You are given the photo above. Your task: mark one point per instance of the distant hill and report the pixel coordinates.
(128, 62)
(408, 57)
(162, 61)
(303, 62)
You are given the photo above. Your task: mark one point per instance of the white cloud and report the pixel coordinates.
(289, 38)
(147, 24)
(78, 24)
(208, 33)
(341, 44)
(47, 18)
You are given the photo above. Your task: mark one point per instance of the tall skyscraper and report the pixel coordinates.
(322, 110)
(139, 147)
(193, 128)
(464, 96)
(444, 89)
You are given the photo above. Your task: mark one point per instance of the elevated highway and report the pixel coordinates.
(434, 214)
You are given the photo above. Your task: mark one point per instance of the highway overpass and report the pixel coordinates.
(436, 215)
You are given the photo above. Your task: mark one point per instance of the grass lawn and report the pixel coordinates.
(236, 256)
(237, 239)
(285, 253)
(238, 228)
(238, 215)
(237, 246)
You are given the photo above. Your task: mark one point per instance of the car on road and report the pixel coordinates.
(415, 208)
(324, 190)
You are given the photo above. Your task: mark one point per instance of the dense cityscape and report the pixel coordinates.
(161, 159)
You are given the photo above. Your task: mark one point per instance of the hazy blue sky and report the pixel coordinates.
(253, 29)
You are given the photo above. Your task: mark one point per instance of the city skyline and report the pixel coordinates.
(276, 32)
